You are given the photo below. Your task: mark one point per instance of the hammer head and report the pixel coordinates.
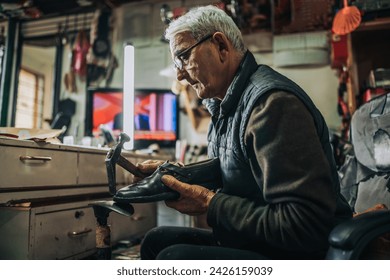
(112, 159)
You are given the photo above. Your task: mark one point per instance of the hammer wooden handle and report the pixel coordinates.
(127, 165)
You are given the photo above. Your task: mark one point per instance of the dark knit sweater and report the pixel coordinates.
(295, 205)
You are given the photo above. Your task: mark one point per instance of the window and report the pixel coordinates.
(29, 105)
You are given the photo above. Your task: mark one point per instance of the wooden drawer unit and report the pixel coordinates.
(55, 183)
(64, 231)
(36, 171)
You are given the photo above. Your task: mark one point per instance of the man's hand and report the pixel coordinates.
(194, 199)
(147, 167)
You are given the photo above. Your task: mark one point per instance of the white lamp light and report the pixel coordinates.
(128, 96)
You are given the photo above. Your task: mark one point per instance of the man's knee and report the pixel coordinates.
(155, 240)
(151, 234)
(148, 244)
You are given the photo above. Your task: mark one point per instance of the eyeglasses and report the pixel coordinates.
(180, 59)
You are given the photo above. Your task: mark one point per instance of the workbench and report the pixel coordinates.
(45, 192)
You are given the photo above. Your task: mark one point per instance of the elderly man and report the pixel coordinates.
(280, 197)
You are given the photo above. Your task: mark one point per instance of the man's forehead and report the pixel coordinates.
(180, 39)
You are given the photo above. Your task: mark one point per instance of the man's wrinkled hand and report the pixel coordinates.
(147, 167)
(194, 199)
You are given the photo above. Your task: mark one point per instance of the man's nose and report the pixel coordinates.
(180, 74)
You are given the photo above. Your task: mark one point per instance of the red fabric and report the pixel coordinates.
(339, 50)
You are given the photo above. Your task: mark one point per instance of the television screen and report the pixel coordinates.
(155, 117)
(104, 107)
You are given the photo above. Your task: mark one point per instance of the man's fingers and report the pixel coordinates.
(149, 166)
(193, 200)
(184, 189)
(173, 183)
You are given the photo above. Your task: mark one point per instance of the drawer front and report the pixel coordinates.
(29, 167)
(92, 170)
(63, 234)
(14, 225)
(143, 219)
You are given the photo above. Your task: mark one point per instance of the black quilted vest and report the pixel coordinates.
(230, 118)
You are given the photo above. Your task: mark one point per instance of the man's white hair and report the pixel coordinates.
(204, 20)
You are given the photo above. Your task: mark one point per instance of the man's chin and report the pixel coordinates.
(200, 91)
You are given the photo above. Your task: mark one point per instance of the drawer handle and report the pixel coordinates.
(74, 234)
(25, 158)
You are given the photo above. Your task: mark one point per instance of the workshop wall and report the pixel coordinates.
(140, 24)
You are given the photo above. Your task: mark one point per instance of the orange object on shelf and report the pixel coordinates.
(346, 20)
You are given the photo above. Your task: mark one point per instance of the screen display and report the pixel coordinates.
(155, 115)
(107, 110)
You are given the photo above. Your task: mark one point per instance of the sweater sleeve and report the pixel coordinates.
(293, 174)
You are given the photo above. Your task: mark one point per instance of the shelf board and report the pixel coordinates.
(380, 23)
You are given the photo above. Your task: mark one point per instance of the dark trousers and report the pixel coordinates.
(184, 243)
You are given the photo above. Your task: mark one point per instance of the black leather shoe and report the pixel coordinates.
(150, 189)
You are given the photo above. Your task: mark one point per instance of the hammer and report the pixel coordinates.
(114, 157)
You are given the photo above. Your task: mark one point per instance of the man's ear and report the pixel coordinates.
(223, 44)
